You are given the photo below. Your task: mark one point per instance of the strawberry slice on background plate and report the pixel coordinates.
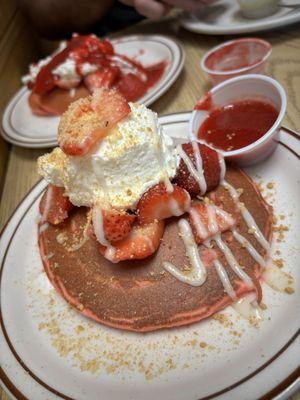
(104, 78)
(157, 203)
(54, 205)
(88, 120)
(131, 86)
(142, 242)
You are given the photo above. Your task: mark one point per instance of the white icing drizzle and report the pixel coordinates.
(78, 245)
(200, 227)
(232, 261)
(43, 227)
(197, 173)
(247, 217)
(202, 181)
(150, 243)
(97, 216)
(98, 226)
(188, 163)
(48, 256)
(128, 67)
(72, 92)
(224, 279)
(247, 307)
(225, 215)
(222, 166)
(277, 279)
(197, 275)
(212, 222)
(47, 203)
(168, 184)
(248, 246)
(110, 253)
(174, 206)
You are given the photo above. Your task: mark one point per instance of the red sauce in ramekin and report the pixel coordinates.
(237, 124)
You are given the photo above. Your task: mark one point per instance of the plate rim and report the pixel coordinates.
(174, 46)
(278, 390)
(211, 29)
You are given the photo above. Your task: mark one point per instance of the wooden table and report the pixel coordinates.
(19, 165)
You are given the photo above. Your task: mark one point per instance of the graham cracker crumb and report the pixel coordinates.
(289, 290)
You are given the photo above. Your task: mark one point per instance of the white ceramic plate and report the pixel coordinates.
(49, 351)
(224, 18)
(22, 128)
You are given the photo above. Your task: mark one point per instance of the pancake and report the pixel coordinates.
(55, 102)
(140, 295)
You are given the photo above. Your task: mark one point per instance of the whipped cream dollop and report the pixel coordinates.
(134, 156)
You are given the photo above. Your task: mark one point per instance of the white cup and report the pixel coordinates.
(258, 87)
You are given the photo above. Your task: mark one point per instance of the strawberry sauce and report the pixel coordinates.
(132, 81)
(238, 124)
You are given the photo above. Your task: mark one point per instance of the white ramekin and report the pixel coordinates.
(258, 48)
(259, 87)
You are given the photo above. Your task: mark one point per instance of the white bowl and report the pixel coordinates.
(236, 57)
(244, 87)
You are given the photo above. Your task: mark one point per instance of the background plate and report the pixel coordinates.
(224, 18)
(49, 351)
(22, 128)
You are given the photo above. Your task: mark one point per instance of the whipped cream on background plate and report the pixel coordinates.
(133, 157)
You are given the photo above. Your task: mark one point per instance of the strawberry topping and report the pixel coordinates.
(142, 241)
(88, 120)
(131, 86)
(104, 78)
(210, 165)
(158, 203)
(208, 220)
(116, 225)
(54, 205)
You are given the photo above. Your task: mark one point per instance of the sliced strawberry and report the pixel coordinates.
(54, 206)
(44, 81)
(117, 225)
(210, 165)
(142, 241)
(157, 203)
(88, 120)
(104, 78)
(131, 87)
(207, 220)
(106, 47)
